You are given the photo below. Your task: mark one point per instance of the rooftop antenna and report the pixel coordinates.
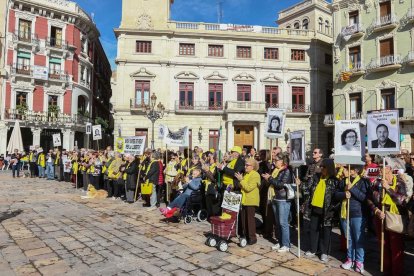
(220, 11)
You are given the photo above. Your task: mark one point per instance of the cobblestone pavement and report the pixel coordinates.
(59, 233)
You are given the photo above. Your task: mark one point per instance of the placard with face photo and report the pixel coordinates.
(88, 128)
(56, 140)
(349, 142)
(297, 147)
(275, 123)
(96, 132)
(383, 129)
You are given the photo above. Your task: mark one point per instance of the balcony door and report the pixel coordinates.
(385, 10)
(272, 96)
(215, 96)
(186, 95)
(244, 136)
(25, 30)
(298, 99)
(142, 93)
(355, 105)
(388, 99)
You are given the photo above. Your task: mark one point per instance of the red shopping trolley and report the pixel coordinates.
(225, 227)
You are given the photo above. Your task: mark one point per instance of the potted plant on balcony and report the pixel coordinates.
(53, 111)
(21, 111)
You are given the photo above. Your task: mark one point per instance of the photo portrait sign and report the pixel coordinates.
(275, 123)
(383, 129)
(297, 147)
(96, 132)
(88, 128)
(56, 140)
(134, 145)
(349, 142)
(231, 201)
(120, 145)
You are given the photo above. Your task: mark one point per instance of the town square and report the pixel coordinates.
(221, 137)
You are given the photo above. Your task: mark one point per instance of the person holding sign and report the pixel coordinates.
(383, 141)
(354, 188)
(394, 203)
(318, 204)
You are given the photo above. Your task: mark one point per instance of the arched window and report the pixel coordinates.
(327, 27)
(320, 24)
(296, 26)
(305, 24)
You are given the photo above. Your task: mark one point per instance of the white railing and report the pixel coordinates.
(385, 20)
(384, 61)
(352, 29)
(186, 25)
(354, 67)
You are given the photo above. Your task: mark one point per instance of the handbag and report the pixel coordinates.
(146, 188)
(290, 191)
(395, 223)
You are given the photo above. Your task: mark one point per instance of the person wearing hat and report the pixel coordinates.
(319, 202)
(355, 188)
(234, 165)
(395, 203)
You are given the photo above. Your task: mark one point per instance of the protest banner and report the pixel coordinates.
(56, 140)
(134, 145)
(178, 138)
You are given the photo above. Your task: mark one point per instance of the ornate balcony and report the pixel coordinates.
(291, 108)
(21, 69)
(245, 107)
(58, 75)
(385, 63)
(199, 107)
(410, 58)
(26, 38)
(27, 71)
(56, 43)
(354, 30)
(386, 22)
(30, 117)
(355, 69)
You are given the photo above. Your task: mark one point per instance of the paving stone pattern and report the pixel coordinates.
(58, 233)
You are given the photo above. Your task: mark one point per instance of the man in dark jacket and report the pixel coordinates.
(15, 162)
(152, 175)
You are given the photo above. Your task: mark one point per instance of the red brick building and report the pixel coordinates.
(58, 74)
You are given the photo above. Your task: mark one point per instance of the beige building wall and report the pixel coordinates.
(164, 68)
(3, 73)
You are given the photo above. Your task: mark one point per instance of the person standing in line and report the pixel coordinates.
(152, 178)
(319, 208)
(353, 189)
(130, 177)
(41, 162)
(50, 158)
(15, 162)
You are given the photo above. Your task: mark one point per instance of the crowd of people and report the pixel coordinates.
(330, 194)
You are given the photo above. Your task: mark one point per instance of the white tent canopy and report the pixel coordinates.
(16, 141)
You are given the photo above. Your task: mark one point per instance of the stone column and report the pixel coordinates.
(68, 139)
(36, 136)
(262, 138)
(3, 137)
(256, 136)
(230, 135)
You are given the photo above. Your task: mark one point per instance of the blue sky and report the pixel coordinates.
(107, 15)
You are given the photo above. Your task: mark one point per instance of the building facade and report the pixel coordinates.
(373, 61)
(3, 73)
(222, 75)
(58, 76)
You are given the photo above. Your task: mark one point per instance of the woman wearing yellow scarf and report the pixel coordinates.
(394, 201)
(319, 207)
(249, 184)
(354, 188)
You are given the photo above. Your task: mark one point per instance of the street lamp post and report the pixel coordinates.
(153, 113)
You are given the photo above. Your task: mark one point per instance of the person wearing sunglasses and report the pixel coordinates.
(318, 207)
(314, 167)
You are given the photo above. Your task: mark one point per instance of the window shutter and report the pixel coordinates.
(385, 8)
(386, 47)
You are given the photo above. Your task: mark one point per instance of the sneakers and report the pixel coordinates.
(359, 267)
(309, 254)
(276, 246)
(283, 249)
(324, 258)
(163, 210)
(348, 264)
(170, 212)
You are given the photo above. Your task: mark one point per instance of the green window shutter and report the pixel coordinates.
(55, 60)
(21, 54)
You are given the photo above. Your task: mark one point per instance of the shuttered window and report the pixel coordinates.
(387, 47)
(385, 8)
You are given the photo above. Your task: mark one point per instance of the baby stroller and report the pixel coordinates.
(225, 227)
(194, 208)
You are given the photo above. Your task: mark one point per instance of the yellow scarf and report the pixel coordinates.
(319, 194)
(387, 200)
(345, 201)
(207, 181)
(271, 192)
(228, 180)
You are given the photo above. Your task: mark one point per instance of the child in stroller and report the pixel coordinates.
(178, 202)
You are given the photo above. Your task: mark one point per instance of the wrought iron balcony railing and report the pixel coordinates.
(389, 20)
(26, 36)
(57, 43)
(384, 61)
(291, 108)
(44, 117)
(198, 106)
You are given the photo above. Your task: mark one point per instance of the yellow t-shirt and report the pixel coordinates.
(319, 194)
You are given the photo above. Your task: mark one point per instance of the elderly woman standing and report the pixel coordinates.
(394, 201)
(130, 177)
(319, 203)
(249, 184)
(281, 176)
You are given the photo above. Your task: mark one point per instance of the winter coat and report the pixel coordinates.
(284, 177)
(357, 202)
(131, 175)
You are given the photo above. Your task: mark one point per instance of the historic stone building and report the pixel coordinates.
(373, 61)
(3, 30)
(211, 75)
(58, 76)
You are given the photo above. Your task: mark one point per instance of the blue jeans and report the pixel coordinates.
(50, 171)
(179, 201)
(41, 171)
(356, 238)
(16, 169)
(153, 198)
(281, 209)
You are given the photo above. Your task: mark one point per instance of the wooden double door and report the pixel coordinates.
(244, 136)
